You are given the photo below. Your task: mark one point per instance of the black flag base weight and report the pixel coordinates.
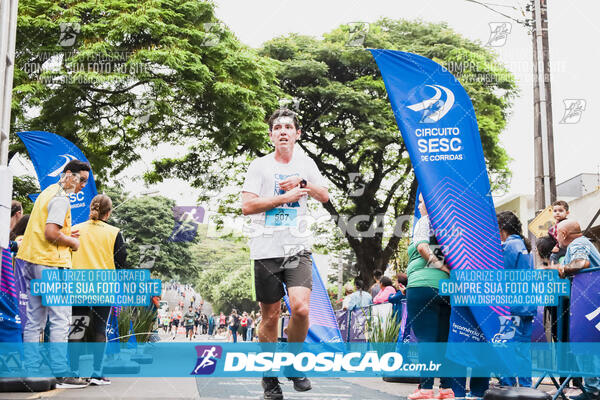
(515, 393)
(27, 384)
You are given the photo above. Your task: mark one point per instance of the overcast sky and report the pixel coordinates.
(574, 55)
(574, 31)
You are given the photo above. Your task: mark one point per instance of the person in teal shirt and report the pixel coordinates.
(428, 312)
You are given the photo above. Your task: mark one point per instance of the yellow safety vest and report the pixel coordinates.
(96, 245)
(35, 248)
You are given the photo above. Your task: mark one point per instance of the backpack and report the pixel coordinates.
(236, 321)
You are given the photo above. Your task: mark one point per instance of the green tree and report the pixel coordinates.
(349, 127)
(147, 222)
(112, 76)
(225, 278)
(23, 186)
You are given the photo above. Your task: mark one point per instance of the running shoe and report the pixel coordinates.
(421, 394)
(98, 380)
(445, 394)
(70, 383)
(301, 384)
(272, 390)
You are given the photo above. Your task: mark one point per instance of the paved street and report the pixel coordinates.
(222, 388)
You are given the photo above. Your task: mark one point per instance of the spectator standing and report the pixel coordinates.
(244, 325)
(211, 324)
(428, 312)
(47, 245)
(516, 255)
(17, 232)
(101, 247)
(375, 288)
(580, 254)
(359, 298)
(387, 290)
(234, 324)
(16, 212)
(222, 322)
(250, 330)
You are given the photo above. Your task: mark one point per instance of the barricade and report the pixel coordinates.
(353, 323)
(577, 321)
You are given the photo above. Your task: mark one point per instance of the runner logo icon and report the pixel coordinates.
(435, 108)
(207, 359)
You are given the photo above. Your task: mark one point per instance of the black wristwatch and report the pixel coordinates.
(303, 183)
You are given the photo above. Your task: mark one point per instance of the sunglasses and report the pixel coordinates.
(81, 180)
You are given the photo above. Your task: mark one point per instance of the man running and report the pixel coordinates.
(275, 194)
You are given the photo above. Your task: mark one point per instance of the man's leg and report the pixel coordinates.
(267, 333)
(299, 304)
(37, 315)
(268, 327)
(100, 317)
(60, 320)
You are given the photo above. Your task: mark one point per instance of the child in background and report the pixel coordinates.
(560, 211)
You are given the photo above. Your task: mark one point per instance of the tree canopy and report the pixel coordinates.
(147, 223)
(225, 278)
(349, 127)
(112, 76)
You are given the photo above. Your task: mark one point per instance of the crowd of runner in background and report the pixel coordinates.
(187, 319)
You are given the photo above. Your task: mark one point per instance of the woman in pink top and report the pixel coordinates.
(386, 290)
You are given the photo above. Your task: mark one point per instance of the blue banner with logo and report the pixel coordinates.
(49, 154)
(438, 124)
(584, 323)
(323, 326)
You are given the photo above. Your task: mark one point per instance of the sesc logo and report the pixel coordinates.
(68, 158)
(207, 359)
(435, 107)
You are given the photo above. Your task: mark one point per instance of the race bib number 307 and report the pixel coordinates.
(281, 217)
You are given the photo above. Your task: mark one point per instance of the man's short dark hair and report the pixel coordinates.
(545, 245)
(76, 166)
(561, 203)
(385, 281)
(283, 112)
(377, 274)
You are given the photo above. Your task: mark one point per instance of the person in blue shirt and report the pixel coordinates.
(516, 253)
(359, 298)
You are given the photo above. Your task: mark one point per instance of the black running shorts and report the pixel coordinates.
(271, 273)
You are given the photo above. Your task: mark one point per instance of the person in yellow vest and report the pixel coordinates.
(47, 245)
(101, 247)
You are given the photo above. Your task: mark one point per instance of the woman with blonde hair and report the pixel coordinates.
(101, 247)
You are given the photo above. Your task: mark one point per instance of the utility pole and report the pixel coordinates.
(8, 30)
(8, 33)
(545, 178)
